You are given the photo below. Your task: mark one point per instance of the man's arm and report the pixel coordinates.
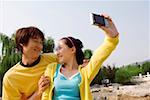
(43, 84)
(9, 92)
(50, 57)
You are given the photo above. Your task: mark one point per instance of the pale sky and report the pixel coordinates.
(71, 18)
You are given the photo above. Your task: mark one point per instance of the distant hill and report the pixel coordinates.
(140, 63)
(147, 60)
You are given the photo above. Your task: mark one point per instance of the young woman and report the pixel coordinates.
(69, 80)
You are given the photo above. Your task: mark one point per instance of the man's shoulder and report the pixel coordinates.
(48, 54)
(10, 73)
(50, 57)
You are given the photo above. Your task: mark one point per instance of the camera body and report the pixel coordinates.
(98, 20)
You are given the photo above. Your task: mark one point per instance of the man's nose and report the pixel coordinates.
(39, 46)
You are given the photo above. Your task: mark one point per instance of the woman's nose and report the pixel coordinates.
(57, 53)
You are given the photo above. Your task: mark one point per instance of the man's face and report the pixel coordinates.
(33, 48)
(85, 61)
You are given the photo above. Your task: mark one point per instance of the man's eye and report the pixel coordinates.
(41, 42)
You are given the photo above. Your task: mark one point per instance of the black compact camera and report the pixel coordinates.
(98, 20)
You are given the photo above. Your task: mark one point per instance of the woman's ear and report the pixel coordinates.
(73, 49)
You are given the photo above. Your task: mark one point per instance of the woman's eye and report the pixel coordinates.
(58, 48)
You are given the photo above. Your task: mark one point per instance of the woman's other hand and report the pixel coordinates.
(43, 84)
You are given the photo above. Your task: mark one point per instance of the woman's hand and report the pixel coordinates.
(43, 84)
(111, 29)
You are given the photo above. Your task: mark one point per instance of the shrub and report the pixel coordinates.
(145, 67)
(123, 76)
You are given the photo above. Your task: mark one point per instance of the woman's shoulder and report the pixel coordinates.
(51, 68)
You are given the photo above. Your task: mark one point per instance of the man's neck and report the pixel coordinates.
(28, 60)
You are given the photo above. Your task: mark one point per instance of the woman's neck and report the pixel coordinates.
(71, 64)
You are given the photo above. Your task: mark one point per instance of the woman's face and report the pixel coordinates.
(63, 52)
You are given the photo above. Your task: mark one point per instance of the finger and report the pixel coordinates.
(46, 76)
(23, 97)
(45, 87)
(103, 28)
(43, 78)
(105, 15)
(45, 83)
(46, 80)
(40, 81)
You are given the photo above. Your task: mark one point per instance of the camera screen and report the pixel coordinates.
(99, 20)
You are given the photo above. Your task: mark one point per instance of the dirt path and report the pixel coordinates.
(130, 92)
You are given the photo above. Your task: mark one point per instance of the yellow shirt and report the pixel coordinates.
(87, 73)
(24, 80)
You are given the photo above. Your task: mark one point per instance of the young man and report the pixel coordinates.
(22, 79)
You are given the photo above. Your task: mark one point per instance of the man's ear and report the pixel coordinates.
(21, 44)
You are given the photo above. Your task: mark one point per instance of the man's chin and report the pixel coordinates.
(35, 57)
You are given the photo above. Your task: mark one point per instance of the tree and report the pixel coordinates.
(7, 44)
(134, 70)
(145, 67)
(48, 45)
(122, 76)
(98, 78)
(87, 53)
(9, 55)
(110, 72)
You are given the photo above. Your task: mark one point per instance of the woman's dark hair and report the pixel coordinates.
(70, 42)
(24, 34)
